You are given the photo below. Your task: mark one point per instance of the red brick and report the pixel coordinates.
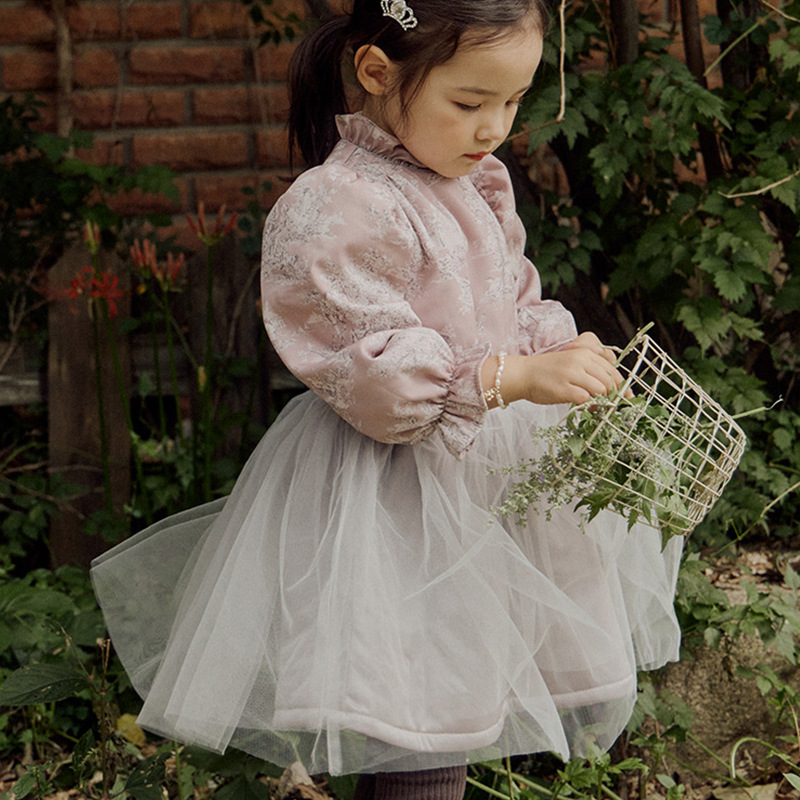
(26, 24)
(181, 235)
(282, 8)
(272, 148)
(192, 151)
(104, 109)
(225, 19)
(136, 202)
(96, 21)
(95, 67)
(277, 182)
(224, 189)
(654, 11)
(103, 152)
(179, 65)
(230, 105)
(153, 20)
(222, 105)
(272, 102)
(47, 112)
(29, 69)
(272, 61)
(215, 191)
(32, 69)
(229, 18)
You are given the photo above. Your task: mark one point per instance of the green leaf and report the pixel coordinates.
(240, 788)
(793, 779)
(80, 755)
(156, 179)
(24, 786)
(730, 285)
(144, 783)
(783, 438)
(18, 599)
(791, 578)
(54, 147)
(41, 683)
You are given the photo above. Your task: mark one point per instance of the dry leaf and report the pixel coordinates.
(765, 792)
(126, 725)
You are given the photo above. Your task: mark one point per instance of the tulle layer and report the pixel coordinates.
(356, 606)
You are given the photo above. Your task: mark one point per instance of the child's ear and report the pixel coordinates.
(374, 69)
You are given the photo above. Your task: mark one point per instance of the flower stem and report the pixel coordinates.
(162, 415)
(173, 371)
(205, 388)
(126, 407)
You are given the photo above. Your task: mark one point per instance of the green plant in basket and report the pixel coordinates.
(658, 450)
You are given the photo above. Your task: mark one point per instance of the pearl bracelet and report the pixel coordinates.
(493, 392)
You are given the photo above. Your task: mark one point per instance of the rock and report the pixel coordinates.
(727, 707)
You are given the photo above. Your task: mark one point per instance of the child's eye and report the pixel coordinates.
(467, 107)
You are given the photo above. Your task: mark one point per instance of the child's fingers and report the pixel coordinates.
(590, 341)
(573, 375)
(604, 379)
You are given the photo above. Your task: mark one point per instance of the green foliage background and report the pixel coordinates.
(711, 258)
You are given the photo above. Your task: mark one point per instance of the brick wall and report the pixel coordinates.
(181, 83)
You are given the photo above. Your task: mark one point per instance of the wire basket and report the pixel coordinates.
(660, 455)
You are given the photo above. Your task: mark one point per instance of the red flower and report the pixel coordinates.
(143, 255)
(105, 285)
(88, 283)
(145, 261)
(210, 238)
(170, 273)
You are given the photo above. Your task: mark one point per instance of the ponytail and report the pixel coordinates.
(317, 90)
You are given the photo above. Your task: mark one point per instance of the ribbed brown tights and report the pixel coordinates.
(447, 783)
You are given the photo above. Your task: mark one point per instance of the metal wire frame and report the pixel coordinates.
(696, 447)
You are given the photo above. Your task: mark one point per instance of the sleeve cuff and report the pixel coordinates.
(464, 406)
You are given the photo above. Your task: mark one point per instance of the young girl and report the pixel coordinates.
(355, 604)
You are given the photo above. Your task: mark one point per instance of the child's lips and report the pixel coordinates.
(477, 156)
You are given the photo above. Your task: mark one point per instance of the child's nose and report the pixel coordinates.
(492, 128)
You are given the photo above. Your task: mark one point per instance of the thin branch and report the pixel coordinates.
(777, 500)
(562, 52)
(757, 24)
(18, 307)
(762, 190)
(744, 35)
(526, 130)
(778, 11)
(64, 110)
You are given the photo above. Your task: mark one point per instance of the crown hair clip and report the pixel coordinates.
(399, 11)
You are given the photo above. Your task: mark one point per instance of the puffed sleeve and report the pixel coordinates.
(542, 324)
(338, 258)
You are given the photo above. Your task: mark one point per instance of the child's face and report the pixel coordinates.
(465, 107)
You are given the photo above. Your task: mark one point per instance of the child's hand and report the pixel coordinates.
(576, 373)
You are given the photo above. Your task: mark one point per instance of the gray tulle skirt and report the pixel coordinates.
(356, 606)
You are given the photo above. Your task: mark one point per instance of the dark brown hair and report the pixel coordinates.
(316, 78)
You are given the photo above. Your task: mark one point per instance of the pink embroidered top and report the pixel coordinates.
(385, 286)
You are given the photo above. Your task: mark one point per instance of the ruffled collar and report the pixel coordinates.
(363, 132)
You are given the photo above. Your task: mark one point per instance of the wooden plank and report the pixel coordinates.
(21, 390)
(73, 413)
(20, 379)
